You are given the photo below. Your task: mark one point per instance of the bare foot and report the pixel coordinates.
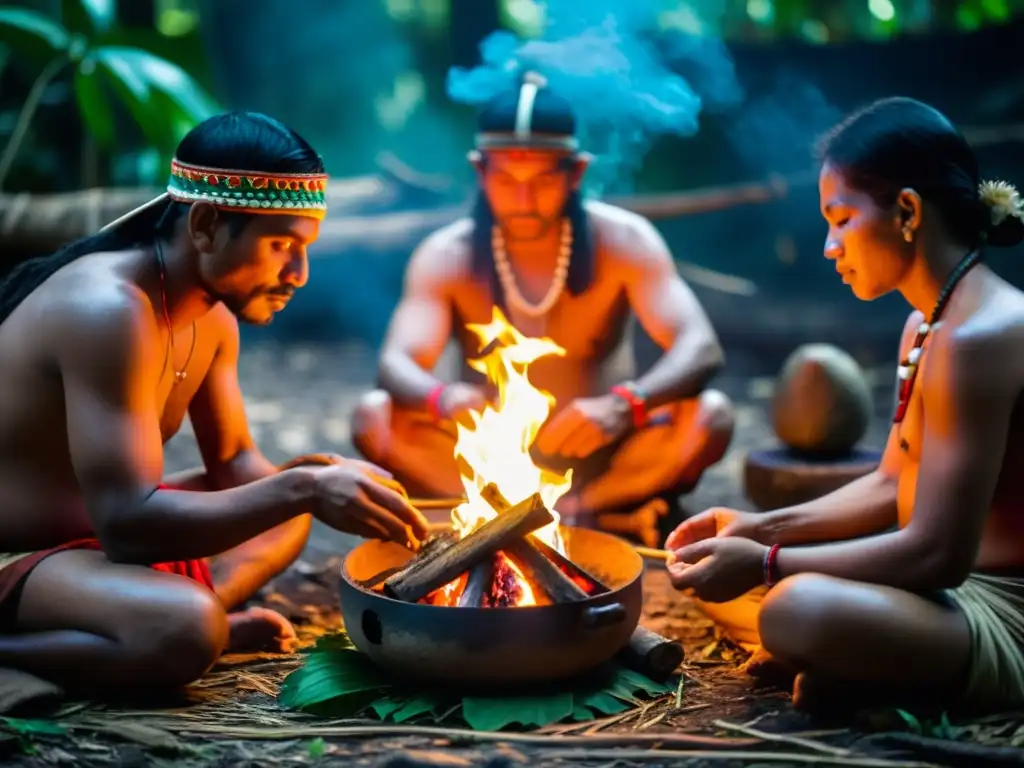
(260, 629)
(768, 670)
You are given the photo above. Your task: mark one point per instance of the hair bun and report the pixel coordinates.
(1006, 212)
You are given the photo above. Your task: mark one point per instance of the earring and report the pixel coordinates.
(908, 235)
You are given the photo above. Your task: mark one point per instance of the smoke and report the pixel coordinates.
(606, 58)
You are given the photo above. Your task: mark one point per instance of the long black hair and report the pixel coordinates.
(899, 143)
(243, 141)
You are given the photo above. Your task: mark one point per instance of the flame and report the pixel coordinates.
(497, 445)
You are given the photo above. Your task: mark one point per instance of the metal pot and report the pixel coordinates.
(430, 643)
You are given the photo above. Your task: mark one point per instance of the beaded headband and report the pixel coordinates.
(297, 194)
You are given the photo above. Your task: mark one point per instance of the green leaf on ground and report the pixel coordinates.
(498, 712)
(338, 680)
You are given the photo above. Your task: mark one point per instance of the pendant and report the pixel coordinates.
(179, 376)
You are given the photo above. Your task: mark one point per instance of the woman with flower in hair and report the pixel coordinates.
(909, 580)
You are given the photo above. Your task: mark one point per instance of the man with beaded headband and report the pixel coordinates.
(907, 584)
(112, 577)
(577, 272)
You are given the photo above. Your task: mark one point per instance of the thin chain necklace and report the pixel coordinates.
(179, 376)
(911, 363)
(508, 281)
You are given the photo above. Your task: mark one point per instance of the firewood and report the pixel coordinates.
(651, 655)
(436, 570)
(436, 543)
(543, 573)
(648, 653)
(478, 584)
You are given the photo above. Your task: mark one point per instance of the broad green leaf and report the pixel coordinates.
(162, 98)
(26, 727)
(386, 706)
(641, 683)
(417, 705)
(330, 675)
(605, 703)
(88, 17)
(136, 95)
(493, 714)
(93, 103)
(33, 35)
(580, 712)
(167, 78)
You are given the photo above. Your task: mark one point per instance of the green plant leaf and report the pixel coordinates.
(32, 34)
(329, 676)
(386, 706)
(417, 705)
(27, 727)
(912, 722)
(580, 712)
(493, 714)
(88, 17)
(638, 683)
(162, 98)
(605, 703)
(93, 103)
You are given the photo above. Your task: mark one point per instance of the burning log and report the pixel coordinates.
(563, 581)
(436, 570)
(543, 573)
(436, 543)
(478, 585)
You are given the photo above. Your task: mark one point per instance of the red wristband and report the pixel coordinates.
(637, 403)
(771, 568)
(434, 402)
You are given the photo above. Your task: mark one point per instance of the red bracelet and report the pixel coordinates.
(771, 567)
(637, 403)
(434, 402)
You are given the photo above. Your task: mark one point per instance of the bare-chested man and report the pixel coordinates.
(104, 347)
(571, 271)
(922, 590)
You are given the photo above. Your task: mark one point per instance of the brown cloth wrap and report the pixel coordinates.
(994, 607)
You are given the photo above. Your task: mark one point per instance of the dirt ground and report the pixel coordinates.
(298, 400)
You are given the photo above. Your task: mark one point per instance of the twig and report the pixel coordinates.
(463, 735)
(779, 738)
(746, 757)
(28, 111)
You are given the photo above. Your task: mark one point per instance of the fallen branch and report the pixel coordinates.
(747, 758)
(464, 735)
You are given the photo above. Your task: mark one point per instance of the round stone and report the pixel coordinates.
(822, 402)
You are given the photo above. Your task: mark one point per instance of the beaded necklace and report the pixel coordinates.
(507, 278)
(911, 363)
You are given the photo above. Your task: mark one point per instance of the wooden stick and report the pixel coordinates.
(653, 554)
(435, 571)
(441, 503)
(648, 652)
(478, 584)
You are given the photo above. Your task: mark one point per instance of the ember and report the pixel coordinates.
(506, 588)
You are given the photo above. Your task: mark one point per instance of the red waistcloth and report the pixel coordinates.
(13, 576)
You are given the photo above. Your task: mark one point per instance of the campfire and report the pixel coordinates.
(504, 549)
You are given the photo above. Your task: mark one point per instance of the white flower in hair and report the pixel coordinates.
(1003, 200)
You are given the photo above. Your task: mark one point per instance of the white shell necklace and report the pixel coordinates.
(508, 280)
